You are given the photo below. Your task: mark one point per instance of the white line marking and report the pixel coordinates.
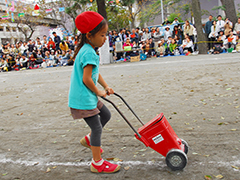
(160, 163)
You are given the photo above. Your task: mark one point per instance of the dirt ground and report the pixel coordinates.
(199, 95)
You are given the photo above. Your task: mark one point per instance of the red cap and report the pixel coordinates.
(87, 21)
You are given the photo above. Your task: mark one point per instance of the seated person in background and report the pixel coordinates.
(17, 61)
(127, 46)
(157, 35)
(146, 48)
(218, 46)
(52, 57)
(63, 46)
(134, 36)
(5, 49)
(11, 62)
(3, 65)
(152, 47)
(161, 48)
(24, 61)
(167, 33)
(39, 45)
(222, 36)
(51, 44)
(188, 47)
(65, 57)
(231, 41)
(71, 60)
(238, 43)
(32, 61)
(47, 59)
(173, 47)
(167, 44)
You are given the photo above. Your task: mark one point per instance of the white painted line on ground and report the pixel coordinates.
(125, 163)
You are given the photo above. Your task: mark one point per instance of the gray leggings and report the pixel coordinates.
(96, 123)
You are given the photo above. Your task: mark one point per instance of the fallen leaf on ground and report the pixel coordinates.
(233, 129)
(117, 159)
(48, 170)
(219, 176)
(109, 159)
(235, 167)
(126, 168)
(208, 177)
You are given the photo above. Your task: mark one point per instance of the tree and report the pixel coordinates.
(59, 18)
(202, 47)
(129, 4)
(179, 7)
(230, 10)
(26, 22)
(117, 15)
(102, 8)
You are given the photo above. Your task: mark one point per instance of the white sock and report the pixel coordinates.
(98, 163)
(88, 136)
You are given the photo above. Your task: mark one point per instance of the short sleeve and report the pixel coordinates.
(89, 59)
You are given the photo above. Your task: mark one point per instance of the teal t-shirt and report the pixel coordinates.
(80, 97)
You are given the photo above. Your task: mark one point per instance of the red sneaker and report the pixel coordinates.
(106, 167)
(86, 143)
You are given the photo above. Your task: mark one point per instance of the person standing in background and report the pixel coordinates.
(208, 26)
(57, 40)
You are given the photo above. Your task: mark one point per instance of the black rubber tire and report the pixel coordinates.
(185, 146)
(176, 159)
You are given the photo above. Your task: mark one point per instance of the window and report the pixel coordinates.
(14, 29)
(8, 29)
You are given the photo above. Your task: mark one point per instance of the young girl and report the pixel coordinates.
(127, 46)
(83, 93)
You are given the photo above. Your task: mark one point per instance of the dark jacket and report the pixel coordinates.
(57, 40)
(208, 26)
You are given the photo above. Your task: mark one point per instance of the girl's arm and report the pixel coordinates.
(102, 82)
(87, 80)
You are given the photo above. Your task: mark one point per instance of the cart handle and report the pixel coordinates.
(129, 108)
(122, 114)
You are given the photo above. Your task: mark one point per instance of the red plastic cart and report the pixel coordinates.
(159, 135)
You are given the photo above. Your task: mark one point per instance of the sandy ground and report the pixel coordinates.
(199, 95)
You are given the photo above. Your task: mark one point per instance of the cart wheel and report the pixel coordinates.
(176, 159)
(185, 146)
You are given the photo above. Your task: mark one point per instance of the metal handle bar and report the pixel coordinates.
(129, 107)
(122, 114)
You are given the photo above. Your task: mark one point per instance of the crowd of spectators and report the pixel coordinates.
(168, 39)
(174, 38)
(32, 54)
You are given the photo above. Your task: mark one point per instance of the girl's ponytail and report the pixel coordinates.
(82, 39)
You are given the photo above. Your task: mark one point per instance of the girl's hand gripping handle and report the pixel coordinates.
(109, 91)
